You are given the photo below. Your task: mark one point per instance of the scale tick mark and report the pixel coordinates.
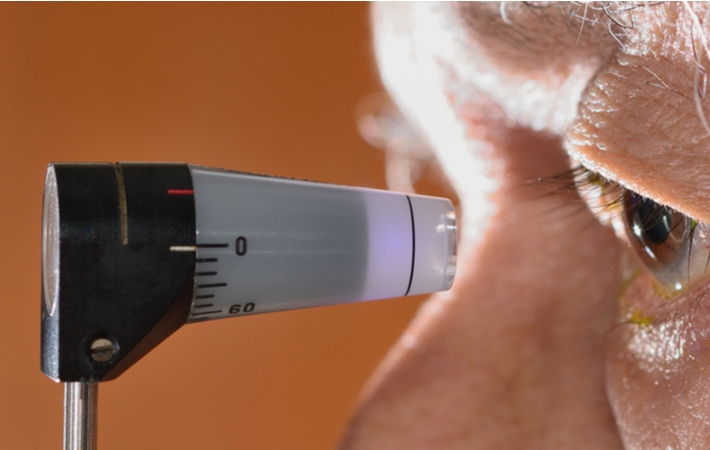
(206, 260)
(206, 312)
(212, 285)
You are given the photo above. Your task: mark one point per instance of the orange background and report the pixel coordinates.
(268, 88)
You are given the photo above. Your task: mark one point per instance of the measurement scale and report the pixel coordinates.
(133, 251)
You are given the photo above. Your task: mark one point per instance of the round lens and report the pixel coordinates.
(50, 243)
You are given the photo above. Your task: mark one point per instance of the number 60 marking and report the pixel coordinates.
(238, 308)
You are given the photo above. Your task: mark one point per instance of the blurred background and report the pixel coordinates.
(269, 88)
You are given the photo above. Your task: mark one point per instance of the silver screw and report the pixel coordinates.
(102, 350)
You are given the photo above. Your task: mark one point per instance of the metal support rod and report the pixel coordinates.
(80, 405)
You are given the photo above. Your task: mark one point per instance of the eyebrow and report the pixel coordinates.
(532, 36)
(551, 24)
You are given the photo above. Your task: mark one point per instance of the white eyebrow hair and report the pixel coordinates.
(615, 17)
(538, 25)
(700, 72)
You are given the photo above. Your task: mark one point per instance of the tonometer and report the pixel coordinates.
(132, 251)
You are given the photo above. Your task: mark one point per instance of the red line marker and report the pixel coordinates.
(180, 191)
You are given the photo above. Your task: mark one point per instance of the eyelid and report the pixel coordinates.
(644, 133)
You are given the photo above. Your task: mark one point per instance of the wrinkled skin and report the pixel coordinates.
(544, 341)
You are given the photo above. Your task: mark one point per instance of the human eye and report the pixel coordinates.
(672, 247)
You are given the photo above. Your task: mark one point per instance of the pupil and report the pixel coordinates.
(654, 220)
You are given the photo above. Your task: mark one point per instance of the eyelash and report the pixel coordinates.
(589, 184)
(603, 197)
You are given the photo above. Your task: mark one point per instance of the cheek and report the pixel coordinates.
(658, 368)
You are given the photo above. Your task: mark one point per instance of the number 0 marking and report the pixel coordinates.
(241, 246)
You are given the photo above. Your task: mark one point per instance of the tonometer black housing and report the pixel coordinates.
(117, 280)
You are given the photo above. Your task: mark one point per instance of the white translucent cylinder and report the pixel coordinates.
(268, 244)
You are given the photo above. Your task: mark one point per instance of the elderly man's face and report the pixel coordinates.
(562, 331)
